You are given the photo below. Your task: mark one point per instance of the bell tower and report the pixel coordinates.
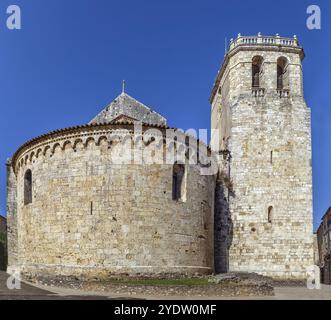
(263, 216)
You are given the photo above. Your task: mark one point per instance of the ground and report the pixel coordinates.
(31, 292)
(40, 292)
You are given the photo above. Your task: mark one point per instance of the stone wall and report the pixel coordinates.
(12, 232)
(323, 254)
(92, 216)
(270, 146)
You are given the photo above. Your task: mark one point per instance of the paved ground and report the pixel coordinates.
(303, 293)
(32, 292)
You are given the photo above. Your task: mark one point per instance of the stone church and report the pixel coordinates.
(74, 209)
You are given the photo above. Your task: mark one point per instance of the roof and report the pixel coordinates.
(123, 113)
(128, 107)
(328, 212)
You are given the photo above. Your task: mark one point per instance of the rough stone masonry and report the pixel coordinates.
(73, 211)
(264, 130)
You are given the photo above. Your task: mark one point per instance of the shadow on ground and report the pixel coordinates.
(28, 292)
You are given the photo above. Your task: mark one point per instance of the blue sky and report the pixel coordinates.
(70, 57)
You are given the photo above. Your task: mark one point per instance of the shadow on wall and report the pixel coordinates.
(3, 251)
(223, 228)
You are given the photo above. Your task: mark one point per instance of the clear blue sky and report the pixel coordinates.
(70, 57)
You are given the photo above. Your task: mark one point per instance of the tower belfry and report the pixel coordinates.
(263, 124)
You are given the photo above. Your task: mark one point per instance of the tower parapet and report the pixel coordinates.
(264, 41)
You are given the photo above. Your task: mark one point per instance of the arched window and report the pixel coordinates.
(270, 214)
(282, 73)
(256, 71)
(28, 187)
(178, 182)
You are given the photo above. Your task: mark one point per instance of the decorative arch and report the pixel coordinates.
(46, 149)
(55, 146)
(39, 151)
(88, 140)
(65, 144)
(77, 142)
(31, 156)
(101, 139)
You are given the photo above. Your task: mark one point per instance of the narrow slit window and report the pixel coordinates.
(270, 214)
(178, 182)
(28, 187)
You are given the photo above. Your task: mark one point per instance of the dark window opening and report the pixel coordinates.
(280, 83)
(177, 181)
(282, 73)
(28, 187)
(256, 71)
(270, 214)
